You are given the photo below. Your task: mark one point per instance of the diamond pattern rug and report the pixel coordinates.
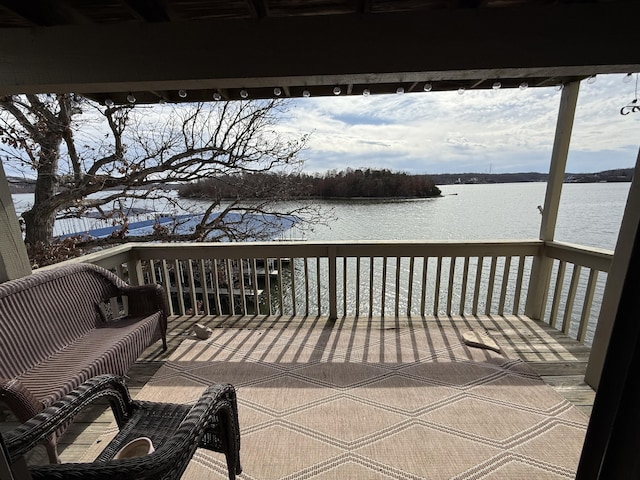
(361, 401)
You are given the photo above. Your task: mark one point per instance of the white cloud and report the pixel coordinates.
(505, 130)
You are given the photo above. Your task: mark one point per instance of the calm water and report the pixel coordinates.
(590, 214)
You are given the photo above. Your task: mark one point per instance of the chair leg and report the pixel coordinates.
(52, 451)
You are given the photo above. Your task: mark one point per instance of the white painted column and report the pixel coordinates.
(542, 266)
(14, 262)
(615, 280)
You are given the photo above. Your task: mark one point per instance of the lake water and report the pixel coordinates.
(590, 214)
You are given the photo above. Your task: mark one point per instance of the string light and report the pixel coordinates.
(366, 92)
(627, 78)
(461, 91)
(337, 90)
(427, 87)
(400, 90)
(591, 80)
(217, 97)
(182, 93)
(131, 98)
(277, 91)
(496, 85)
(244, 93)
(108, 102)
(306, 93)
(523, 86)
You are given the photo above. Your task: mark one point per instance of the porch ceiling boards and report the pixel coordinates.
(107, 49)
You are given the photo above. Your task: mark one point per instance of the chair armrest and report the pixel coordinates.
(19, 400)
(25, 437)
(217, 405)
(215, 413)
(144, 299)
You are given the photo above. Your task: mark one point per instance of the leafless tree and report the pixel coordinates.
(87, 157)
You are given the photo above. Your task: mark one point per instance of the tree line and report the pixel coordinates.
(350, 183)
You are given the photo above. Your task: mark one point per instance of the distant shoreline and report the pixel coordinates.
(22, 185)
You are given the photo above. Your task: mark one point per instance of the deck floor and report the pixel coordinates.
(559, 360)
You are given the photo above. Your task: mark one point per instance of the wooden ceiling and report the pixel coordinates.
(200, 50)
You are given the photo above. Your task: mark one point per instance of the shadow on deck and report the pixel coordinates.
(559, 360)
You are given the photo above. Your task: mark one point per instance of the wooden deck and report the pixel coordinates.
(559, 360)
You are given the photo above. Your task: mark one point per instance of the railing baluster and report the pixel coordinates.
(452, 275)
(384, 285)
(167, 286)
(205, 289)
(518, 292)
(586, 306)
(254, 276)
(344, 286)
(463, 286)
(216, 285)
(243, 294)
(571, 296)
(436, 295)
(555, 304)
(306, 285)
(294, 303)
(476, 290)
(492, 278)
(357, 286)
(192, 288)
(230, 282)
(423, 295)
(267, 285)
(397, 303)
(177, 270)
(410, 285)
(371, 262)
(318, 285)
(152, 272)
(505, 284)
(280, 286)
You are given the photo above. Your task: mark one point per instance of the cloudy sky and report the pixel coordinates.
(479, 131)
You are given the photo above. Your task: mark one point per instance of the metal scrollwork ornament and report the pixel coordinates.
(631, 108)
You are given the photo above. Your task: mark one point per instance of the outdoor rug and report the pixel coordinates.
(362, 401)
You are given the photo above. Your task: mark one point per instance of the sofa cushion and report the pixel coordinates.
(112, 347)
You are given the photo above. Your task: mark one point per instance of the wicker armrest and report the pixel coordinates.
(176, 430)
(25, 437)
(19, 400)
(148, 298)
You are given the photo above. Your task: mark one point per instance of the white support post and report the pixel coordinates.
(542, 266)
(14, 261)
(615, 281)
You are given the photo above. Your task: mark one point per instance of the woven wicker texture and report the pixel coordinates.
(354, 401)
(176, 431)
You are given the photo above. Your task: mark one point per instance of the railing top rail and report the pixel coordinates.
(591, 257)
(403, 248)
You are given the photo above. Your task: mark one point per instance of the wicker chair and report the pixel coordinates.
(175, 430)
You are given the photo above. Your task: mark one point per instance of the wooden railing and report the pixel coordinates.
(576, 288)
(337, 279)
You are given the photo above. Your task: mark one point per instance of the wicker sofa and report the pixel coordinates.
(57, 330)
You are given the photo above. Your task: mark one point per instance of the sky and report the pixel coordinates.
(483, 131)
(497, 131)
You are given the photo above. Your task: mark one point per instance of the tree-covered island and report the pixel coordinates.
(358, 183)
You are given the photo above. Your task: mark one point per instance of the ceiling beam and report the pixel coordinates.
(45, 12)
(381, 48)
